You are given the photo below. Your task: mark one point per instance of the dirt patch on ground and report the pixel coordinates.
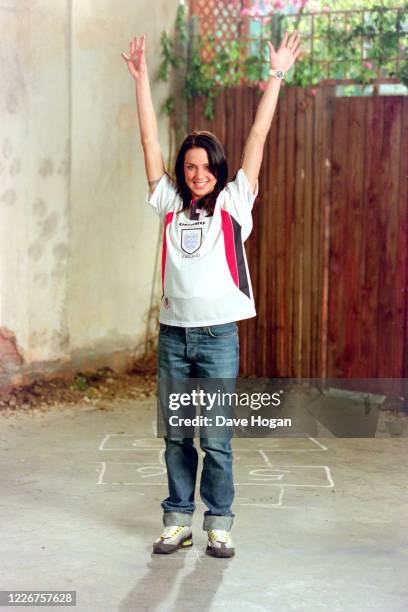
(92, 388)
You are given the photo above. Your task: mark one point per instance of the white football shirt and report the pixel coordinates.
(205, 275)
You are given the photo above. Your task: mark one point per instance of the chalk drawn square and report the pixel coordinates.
(129, 442)
(132, 473)
(290, 476)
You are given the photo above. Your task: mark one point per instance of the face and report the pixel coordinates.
(197, 173)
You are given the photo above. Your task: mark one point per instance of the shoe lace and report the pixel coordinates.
(219, 535)
(171, 531)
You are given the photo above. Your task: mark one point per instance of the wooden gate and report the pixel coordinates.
(328, 252)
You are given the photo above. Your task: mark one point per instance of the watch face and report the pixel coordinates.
(279, 74)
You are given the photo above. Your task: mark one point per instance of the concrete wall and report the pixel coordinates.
(77, 241)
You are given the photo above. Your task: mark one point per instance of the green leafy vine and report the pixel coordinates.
(335, 53)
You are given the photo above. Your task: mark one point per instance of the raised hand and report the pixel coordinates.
(136, 63)
(287, 53)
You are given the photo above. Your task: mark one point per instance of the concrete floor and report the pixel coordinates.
(321, 524)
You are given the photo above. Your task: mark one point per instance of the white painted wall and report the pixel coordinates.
(77, 241)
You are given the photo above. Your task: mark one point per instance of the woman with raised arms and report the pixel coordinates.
(206, 286)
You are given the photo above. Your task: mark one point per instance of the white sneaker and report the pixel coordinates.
(173, 538)
(220, 543)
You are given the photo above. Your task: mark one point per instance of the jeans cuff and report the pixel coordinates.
(177, 518)
(218, 522)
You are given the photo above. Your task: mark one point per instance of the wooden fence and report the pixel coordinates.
(328, 252)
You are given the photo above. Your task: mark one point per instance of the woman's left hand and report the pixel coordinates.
(287, 53)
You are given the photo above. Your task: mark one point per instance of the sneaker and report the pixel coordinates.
(220, 543)
(173, 538)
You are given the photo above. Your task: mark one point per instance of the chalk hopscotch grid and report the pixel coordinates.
(258, 473)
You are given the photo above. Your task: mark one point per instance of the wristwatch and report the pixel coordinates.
(278, 74)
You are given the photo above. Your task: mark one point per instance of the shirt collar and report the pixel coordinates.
(195, 207)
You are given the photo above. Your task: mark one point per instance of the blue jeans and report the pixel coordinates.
(199, 352)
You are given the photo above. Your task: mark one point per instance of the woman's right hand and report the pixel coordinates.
(136, 63)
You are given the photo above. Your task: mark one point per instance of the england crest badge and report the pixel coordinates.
(191, 239)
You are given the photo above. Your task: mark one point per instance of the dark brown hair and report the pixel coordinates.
(217, 164)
